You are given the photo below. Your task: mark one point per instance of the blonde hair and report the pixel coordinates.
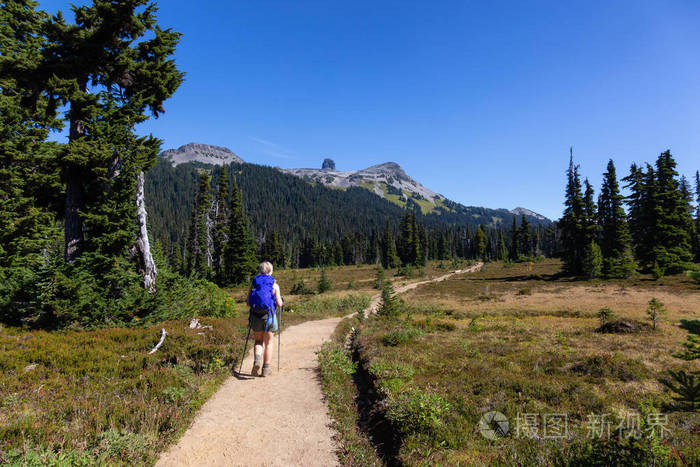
(265, 268)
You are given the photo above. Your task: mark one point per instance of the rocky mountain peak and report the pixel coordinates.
(328, 164)
(205, 153)
(520, 211)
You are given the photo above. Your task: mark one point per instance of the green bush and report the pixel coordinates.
(405, 271)
(605, 315)
(299, 287)
(695, 275)
(621, 449)
(416, 411)
(401, 336)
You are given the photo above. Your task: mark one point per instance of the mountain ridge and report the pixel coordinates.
(204, 153)
(387, 180)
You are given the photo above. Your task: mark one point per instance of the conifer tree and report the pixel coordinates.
(198, 246)
(424, 245)
(672, 250)
(389, 306)
(590, 214)
(109, 69)
(687, 197)
(220, 232)
(615, 241)
(525, 246)
(273, 251)
(481, 243)
(514, 241)
(592, 265)
(501, 249)
(240, 253)
(635, 184)
(697, 216)
(442, 247)
(381, 277)
(324, 283)
(29, 181)
(389, 258)
(571, 223)
(409, 241)
(372, 253)
(648, 234)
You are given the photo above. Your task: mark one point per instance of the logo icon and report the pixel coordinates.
(493, 425)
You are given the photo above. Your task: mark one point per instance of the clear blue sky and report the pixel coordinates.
(479, 101)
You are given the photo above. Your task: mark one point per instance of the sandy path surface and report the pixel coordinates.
(273, 421)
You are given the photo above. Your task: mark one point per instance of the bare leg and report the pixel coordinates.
(267, 357)
(259, 338)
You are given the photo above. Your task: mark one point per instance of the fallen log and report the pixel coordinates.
(163, 333)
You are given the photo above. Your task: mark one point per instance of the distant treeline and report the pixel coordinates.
(295, 223)
(660, 231)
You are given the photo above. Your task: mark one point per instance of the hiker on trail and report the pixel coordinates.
(263, 298)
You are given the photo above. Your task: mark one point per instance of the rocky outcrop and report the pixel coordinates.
(382, 179)
(205, 153)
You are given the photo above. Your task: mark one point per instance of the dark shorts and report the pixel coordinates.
(257, 323)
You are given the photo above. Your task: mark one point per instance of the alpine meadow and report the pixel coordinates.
(307, 300)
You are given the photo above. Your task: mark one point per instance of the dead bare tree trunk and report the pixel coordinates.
(142, 244)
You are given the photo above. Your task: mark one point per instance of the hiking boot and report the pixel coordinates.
(266, 370)
(257, 363)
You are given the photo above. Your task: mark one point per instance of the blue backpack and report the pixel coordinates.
(262, 295)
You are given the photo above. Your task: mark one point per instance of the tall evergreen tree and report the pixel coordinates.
(524, 237)
(29, 182)
(240, 254)
(408, 247)
(198, 254)
(672, 250)
(635, 184)
(372, 254)
(273, 250)
(501, 249)
(592, 264)
(424, 244)
(590, 214)
(108, 76)
(615, 240)
(571, 223)
(514, 241)
(697, 216)
(648, 234)
(389, 258)
(220, 231)
(481, 243)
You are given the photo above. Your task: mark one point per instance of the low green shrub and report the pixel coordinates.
(401, 336)
(98, 397)
(416, 411)
(336, 370)
(299, 287)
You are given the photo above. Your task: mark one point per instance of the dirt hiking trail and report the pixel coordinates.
(279, 420)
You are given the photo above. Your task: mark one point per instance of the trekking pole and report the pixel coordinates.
(279, 336)
(244, 348)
